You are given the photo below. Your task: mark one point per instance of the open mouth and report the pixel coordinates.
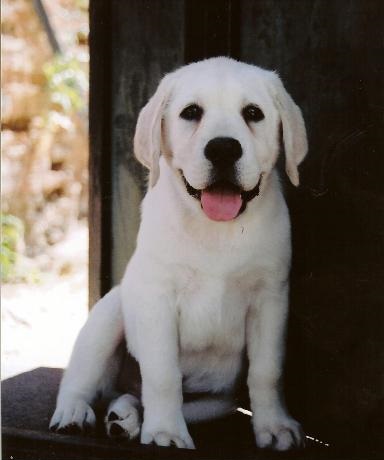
(223, 200)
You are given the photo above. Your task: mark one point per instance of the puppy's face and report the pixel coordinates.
(217, 124)
(221, 128)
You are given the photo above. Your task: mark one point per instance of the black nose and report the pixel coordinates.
(223, 151)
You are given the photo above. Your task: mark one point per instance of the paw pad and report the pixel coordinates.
(113, 416)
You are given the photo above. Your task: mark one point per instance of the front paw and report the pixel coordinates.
(72, 417)
(278, 433)
(167, 434)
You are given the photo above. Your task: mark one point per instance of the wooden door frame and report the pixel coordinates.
(218, 34)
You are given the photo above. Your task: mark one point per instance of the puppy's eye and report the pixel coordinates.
(252, 113)
(192, 112)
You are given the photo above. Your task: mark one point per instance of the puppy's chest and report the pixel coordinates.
(212, 315)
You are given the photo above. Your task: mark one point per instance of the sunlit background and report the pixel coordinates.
(44, 157)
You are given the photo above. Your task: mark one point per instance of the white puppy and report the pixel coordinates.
(208, 281)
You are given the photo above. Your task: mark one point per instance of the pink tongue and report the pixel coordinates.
(221, 206)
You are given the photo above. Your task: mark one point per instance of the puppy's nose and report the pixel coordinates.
(223, 151)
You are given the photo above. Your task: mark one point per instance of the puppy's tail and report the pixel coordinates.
(208, 408)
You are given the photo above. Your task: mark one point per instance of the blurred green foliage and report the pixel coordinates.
(67, 83)
(15, 267)
(12, 236)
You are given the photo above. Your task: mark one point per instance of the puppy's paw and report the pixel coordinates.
(167, 434)
(123, 419)
(280, 433)
(165, 439)
(73, 417)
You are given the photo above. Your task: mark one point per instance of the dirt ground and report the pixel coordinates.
(40, 322)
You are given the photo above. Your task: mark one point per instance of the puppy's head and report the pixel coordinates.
(217, 124)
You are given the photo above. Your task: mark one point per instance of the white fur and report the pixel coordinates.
(196, 292)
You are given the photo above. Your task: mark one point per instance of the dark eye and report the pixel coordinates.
(252, 113)
(192, 113)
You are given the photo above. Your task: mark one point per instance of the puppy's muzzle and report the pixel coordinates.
(223, 199)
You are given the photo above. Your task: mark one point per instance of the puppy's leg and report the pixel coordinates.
(91, 365)
(123, 418)
(151, 325)
(273, 427)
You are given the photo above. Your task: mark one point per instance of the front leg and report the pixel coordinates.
(273, 426)
(92, 365)
(152, 335)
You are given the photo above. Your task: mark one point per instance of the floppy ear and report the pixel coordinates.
(294, 133)
(147, 140)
